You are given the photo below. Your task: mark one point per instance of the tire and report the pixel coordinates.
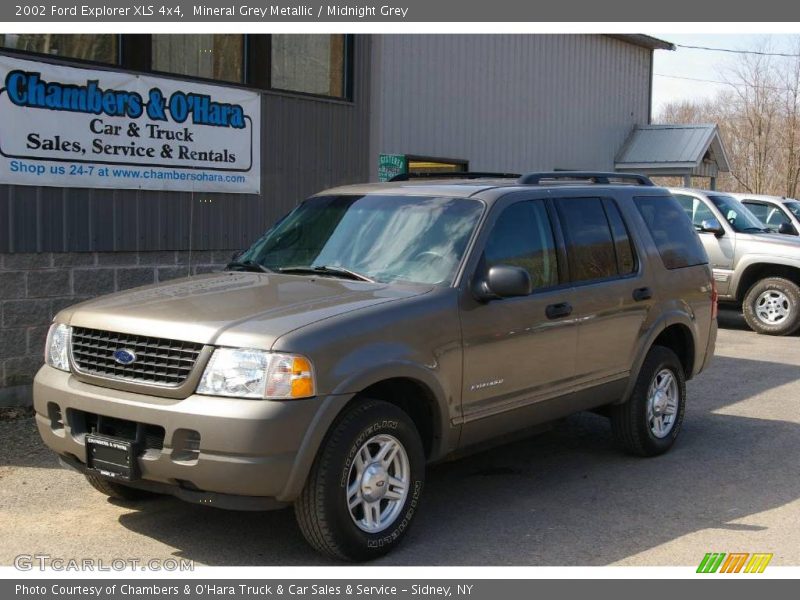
(322, 510)
(115, 490)
(631, 423)
(772, 306)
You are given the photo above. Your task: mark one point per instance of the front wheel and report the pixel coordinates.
(365, 486)
(772, 306)
(649, 422)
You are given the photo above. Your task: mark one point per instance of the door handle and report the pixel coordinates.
(643, 293)
(556, 311)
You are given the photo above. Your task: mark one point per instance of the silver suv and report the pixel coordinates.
(776, 212)
(753, 264)
(377, 328)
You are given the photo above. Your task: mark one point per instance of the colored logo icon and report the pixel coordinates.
(734, 562)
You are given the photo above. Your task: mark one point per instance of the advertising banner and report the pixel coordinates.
(72, 127)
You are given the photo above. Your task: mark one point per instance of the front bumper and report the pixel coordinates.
(246, 447)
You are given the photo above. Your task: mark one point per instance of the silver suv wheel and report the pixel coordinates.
(378, 483)
(662, 403)
(772, 307)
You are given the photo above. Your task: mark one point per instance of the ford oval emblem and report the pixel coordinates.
(124, 356)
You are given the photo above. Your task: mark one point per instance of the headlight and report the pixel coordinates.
(243, 373)
(56, 350)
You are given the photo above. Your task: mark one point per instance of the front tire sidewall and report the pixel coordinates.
(374, 418)
(790, 324)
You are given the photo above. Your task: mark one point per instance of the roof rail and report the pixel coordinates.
(600, 177)
(454, 175)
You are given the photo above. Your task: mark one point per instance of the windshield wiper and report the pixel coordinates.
(247, 265)
(326, 270)
(757, 230)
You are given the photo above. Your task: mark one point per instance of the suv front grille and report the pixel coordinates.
(158, 361)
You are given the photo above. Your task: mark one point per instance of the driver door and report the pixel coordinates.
(518, 352)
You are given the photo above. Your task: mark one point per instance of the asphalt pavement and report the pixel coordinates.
(565, 497)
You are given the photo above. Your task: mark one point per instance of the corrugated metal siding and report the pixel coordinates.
(667, 144)
(508, 102)
(307, 145)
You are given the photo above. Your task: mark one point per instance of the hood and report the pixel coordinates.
(231, 308)
(772, 244)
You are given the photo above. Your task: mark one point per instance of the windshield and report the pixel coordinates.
(739, 216)
(384, 238)
(793, 206)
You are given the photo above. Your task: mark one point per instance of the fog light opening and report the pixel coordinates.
(185, 445)
(56, 418)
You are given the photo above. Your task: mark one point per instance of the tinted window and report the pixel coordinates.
(794, 207)
(590, 245)
(523, 237)
(626, 261)
(736, 213)
(766, 213)
(696, 210)
(672, 231)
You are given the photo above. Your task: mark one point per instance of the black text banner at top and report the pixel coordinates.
(397, 11)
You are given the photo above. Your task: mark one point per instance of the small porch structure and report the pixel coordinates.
(674, 151)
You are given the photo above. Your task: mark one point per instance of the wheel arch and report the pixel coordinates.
(675, 331)
(758, 270)
(393, 383)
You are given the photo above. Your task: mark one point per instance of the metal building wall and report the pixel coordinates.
(508, 102)
(307, 144)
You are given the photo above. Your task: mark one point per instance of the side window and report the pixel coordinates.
(626, 259)
(776, 216)
(523, 237)
(695, 209)
(590, 245)
(677, 242)
(759, 209)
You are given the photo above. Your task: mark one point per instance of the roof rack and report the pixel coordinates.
(454, 175)
(599, 177)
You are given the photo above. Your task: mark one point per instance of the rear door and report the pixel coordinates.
(612, 292)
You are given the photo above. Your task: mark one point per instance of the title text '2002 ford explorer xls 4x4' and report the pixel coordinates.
(380, 327)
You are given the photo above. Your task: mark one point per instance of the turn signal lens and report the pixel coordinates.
(302, 378)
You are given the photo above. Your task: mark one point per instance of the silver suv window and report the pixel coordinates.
(737, 214)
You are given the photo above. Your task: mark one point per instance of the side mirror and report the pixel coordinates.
(504, 281)
(787, 228)
(712, 226)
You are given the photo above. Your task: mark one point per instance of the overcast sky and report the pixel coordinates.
(675, 73)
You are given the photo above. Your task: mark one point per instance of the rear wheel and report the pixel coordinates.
(364, 488)
(115, 490)
(772, 306)
(650, 421)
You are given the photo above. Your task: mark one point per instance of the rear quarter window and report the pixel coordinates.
(672, 231)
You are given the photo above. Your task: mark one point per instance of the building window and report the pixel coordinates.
(210, 56)
(318, 64)
(102, 48)
(309, 63)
